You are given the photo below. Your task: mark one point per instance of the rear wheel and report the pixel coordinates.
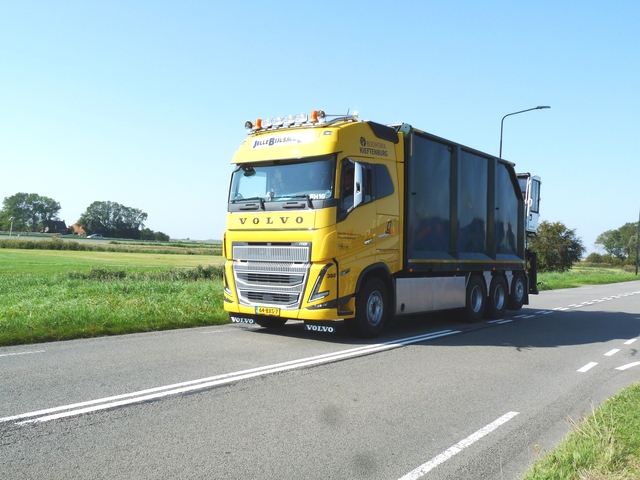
(476, 299)
(371, 310)
(518, 289)
(497, 300)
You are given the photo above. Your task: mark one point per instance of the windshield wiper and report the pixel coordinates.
(302, 195)
(250, 199)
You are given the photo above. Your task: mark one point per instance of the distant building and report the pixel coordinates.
(55, 226)
(77, 229)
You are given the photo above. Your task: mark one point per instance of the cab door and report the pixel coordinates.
(356, 225)
(368, 229)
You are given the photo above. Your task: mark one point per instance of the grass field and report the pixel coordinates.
(581, 275)
(603, 446)
(58, 294)
(49, 262)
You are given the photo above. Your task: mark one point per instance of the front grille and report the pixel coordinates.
(270, 279)
(272, 298)
(271, 275)
(272, 253)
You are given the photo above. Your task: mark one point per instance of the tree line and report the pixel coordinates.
(30, 212)
(557, 246)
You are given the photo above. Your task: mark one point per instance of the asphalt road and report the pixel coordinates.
(433, 398)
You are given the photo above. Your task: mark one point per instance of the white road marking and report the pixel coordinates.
(628, 365)
(203, 383)
(457, 448)
(20, 353)
(610, 353)
(629, 342)
(587, 367)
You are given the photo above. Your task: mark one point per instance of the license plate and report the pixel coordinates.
(271, 311)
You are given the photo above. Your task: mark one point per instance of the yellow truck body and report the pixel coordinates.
(325, 223)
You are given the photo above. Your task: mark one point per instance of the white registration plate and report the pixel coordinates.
(270, 311)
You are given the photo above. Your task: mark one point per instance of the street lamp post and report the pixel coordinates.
(11, 227)
(515, 113)
(638, 244)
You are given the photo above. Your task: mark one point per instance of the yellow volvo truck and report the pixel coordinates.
(330, 218)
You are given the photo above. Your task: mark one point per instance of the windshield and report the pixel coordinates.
(281, 181)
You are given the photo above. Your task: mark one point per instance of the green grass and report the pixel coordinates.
(58, 294)
(50, 262)
(603, 446)
(74, 243)
(581, 275)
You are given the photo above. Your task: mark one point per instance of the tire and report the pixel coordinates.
(270, 322)
(371, 310)
(476, 299)
(518, 292)
(498, 297)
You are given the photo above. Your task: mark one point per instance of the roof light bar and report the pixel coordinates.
(317, 117)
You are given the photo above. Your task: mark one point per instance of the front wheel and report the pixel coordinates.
(371, 310)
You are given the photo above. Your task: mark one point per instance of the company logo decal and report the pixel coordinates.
(296, 138)
(319, 328)
(270, 220)
(369, 147)
(242, 320)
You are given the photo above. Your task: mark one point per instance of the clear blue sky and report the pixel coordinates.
(143, 102)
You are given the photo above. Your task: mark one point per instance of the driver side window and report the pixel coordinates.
(375, 183)
(347, 185)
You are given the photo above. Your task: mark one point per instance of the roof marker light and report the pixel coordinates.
(267, 122)
(288, 120)
(248, 125)
(301, 118)
(318, 116)
(258, 124)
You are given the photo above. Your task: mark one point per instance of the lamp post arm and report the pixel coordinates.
(516, 113)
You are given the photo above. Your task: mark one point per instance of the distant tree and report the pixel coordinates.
(29, 211)
(111, 219)
(594, 257)
(558, 247)
(162, 237)
(620, 243)
(148, 234)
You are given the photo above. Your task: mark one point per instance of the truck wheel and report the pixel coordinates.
(371, 310)
(270, 322)
(518, 288)
(476, 299)
(497, 300)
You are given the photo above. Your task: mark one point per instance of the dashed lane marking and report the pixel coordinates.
(587, 367)
(457, 448)
(628, 365)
